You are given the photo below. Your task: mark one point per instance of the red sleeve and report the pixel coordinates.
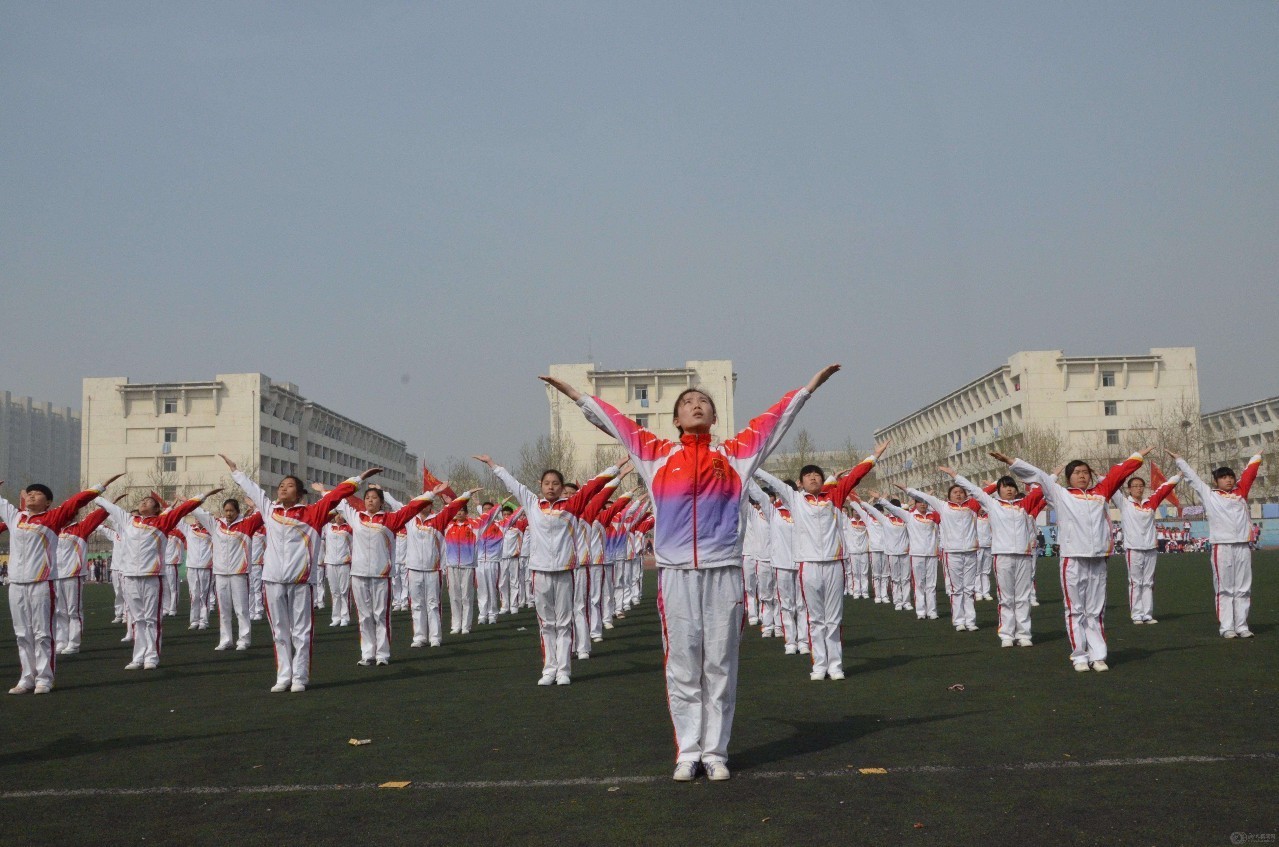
(974, 504)
(990, 489)
(579, 501)
(636, 439)
(935, 517)
(1160, 493)
(87, 525)
(645, 525)
(250, 525)
(58, 518)
(751, 440)
(1249, 474)
(397, 520)
(4, 527)
(317, 514)
(1108, 486)
(439, 521)
(354, 502)
(846, 485)
(169, 520)
(592, 511)
(611, 511)
(1033, 503)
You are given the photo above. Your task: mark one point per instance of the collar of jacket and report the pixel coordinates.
(689, 439)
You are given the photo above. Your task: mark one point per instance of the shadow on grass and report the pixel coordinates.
(70, 746)
(1136, 654)
(376, 675)
(815, 736)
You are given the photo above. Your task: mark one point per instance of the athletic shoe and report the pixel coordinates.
(1100, 666)
(959, 627)
(766, 633)
(243, 646)
(466, 631)
(418, 643)
(150, 666)
(364, 663)
(1228, 634)
(192, 626)
(226, 646)
(133, 666)
(896, 608)
(127, 638)
(922, 617)
(817, 676)
(492, 618)
(753, 621)
(279, 687)
(972, 627)
(20, 689)
(41, 688)
(1023, 642)
(1150, 621)
(932, 616)
(791, 650)
(70, 651)
(804, 651)
(597, 638)
(622, 613)
(716, 771)
(608, 624)
(383, 662)
(685, 772)
(1137, 622)
(563, 679)
(1005, 642)
(987, 597)
(1034, 602)
(908, 607)
(836, 674)
(202, 626)
(297, 688)
(435, 642)
(547, 679)
(334, 623)
(454, 631)
(1081, 666)
(583, 655)
(117, 620)
(1244, 633)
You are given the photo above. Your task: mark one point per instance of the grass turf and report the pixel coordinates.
(469, 711)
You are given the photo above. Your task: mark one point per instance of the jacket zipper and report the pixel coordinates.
(696, 473)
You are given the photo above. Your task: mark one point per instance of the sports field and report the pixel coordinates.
(1177, 744)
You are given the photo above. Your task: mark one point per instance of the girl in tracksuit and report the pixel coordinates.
(1141, 547)
(957, 530)
(698, 487)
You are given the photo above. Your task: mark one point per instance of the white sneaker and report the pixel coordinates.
(836, 674)
(454, 631)
(1137, 622)
(150, 666)
(563, 679)
(193, 626)
(127, 638)
(753, 621)
(1024, 642)
(972, 627)
(466, 631)
(685, 772)
(1081, 666)
(133, 666)
(817, 676)
(791, 650)
(1229, 634)
(297, 688)
(364, 663)
(1150, 621)
(608, 624)
(223, 647)
(1034, 602)
(70, 651)
(547, 679)
(932, 616)
(1244, 633)
(20, 689)
(279, 687)
(383, 662)
(908, 607)
(959, 627)
(804, 651)
(117, 620)
(1100, 666)
(435, 642)
(418, 643)
(492, 618)
(716, 771)
(43, 689)
(597, 638)
(1005, 642)
(242, 646)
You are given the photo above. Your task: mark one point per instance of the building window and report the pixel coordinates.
(641, 394)
(1112, 437)
(168, 464)
(1107, 379)
(1017, 383)
(170, 406)
(170, 435)
(642, 420)
(1112, 408)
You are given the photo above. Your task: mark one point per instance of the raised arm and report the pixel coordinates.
(400, 518)
(1201, 488)
(441, 519)
(577, 504)
(846, 485)
(1163, 491)
(1116, 476)
(170, 519)
(933, 503)
(784, 492)
(765, 502)
(66, 512)
(979, 493)
(897, 511)
(1249, 474)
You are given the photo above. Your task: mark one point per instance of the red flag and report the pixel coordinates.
(429, 481)
(1157, 479)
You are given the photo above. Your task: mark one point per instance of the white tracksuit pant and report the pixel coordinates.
(233, 602)
(899, 573)
(68, 616)
(118, 606)
(199, 584)
(701, 612)
(1232, 582)
(508, 574)
(553, 600)
(340, 592)
(373, 607)
(792, 616)
(1013, 574)
(622, 585)
(424, 603)
(822, 585)
(752, 590)
(31, 605)
(321, 581)
(461, 598)
(608, 599)
(581, 610)
(290, 611)
(1141, 583)
(170, 575)
(984, 562)
(595, 601)
(962, 570)
(766, 590)
(486, 573)
(256, 597)
(923, 570)
(1083, 591)
(399, 591)
(859, 574)
(143, 596)
(879, 573)
(526, 583)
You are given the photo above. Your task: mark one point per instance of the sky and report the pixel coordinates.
(412, 209)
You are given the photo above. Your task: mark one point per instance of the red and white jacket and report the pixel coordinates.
(552, 527)
(1011, 522)
(199, 544)
(175, 546)
(33, 539)
(292, 532)
(73, 545)
(957, 521)
(146, 538)
(336, 543)
(426, 536)
(921, 529)
(230, 544)
(1138, 519)
(1083, 518)
(373, 534)
(819, 535)
(1229, 520)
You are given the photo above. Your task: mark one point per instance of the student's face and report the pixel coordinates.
(148, 508)
(230, 512)
(956, 494)
(1008, 492)
(1137, 488)
(811, 482)
(921, 507)
(1081, 477)
(287, 492)
(552, 487)
(1226, 483)
(695, 413)
(373, 500)
(35, 501)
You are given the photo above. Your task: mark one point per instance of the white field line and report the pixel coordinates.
(605, 782)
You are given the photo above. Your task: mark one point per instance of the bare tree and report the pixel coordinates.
(1040, 445)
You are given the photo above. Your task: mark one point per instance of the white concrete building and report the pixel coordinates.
(1233, 435)
(168, 436)
(647, 395)
(38, 443)
(1091, 405)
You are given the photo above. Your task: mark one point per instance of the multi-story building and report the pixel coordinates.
(1086, 406)
(168, 436)
(1233, 435)
(647, 395)
(38, 443)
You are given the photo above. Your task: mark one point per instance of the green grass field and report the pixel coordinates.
(1028, 752)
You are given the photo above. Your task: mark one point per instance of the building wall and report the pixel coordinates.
(38, 444)
(594, 449)
(1094, 404)
(169, 435)
(1234, 435)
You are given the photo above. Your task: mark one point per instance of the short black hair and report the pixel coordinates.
(40, 488)
(794, 486)
(895, 502)
(1133, 479)
(1007, 480)
(1218, 473)
(558, 475)
(509, 509)
(807, 469)
(231, 501)
(297, 480)
(1072, 465)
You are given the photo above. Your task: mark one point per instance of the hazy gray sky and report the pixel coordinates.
(410, 209)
